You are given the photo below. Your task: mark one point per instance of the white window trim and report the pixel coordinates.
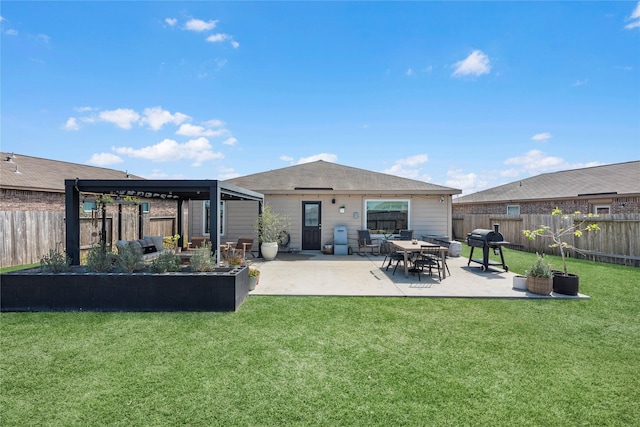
(596, 207)
(364, 215)
(204, 218)
(148, 209)
(513, 206)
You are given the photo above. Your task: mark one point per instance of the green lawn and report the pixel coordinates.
(337, 361)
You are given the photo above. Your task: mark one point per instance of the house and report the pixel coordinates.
(607, 189)
(32, 208)
(610, 191)
(319, 196)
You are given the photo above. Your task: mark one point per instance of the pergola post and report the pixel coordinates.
(180, 224)
(72, 221)
(214, 220)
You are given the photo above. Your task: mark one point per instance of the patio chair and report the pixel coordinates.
(398, 257)
(365, 242)
(406, 234)
(243, 246)
(428, 257)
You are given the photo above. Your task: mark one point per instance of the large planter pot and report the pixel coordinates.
(540, 285)
(253, 281)
(520, 282)
(566, 285)
(269, 250)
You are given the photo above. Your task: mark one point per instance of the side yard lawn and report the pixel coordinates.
(337, 361)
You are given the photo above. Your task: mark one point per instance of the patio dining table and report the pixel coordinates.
(407, 247)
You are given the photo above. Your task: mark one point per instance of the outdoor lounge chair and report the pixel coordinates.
(365, 242)
(243, 246)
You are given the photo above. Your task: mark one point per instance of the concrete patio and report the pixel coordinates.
(314, 273)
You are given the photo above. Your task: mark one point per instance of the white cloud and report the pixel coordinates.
(477, 63)
(541, 136)
(535, 161)
(104, 159)
(156, 117)
(410, 72)
(214, 123)
(193, 130)
(199, 150)
(11, 32)
(410, 167)
(634, 18)
(327, 157)
(580, 82)
(225, 173)
(230, 141)
(84, 109)
(467, 182)
(121, 117)
(286, 158)
(221, 37)
(71, 124)
(200, 25)
(171, 21)
(43, 38)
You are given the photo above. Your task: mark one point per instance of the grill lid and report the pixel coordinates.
(486, 235)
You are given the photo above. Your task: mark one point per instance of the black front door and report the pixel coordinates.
(311, 225)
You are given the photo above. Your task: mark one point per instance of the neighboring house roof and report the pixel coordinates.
(614, 179)
(325, 177)
(20, 172)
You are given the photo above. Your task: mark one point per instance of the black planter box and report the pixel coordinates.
(222, 290)
(566, 285)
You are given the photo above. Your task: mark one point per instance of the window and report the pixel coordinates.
(513, 210)
(206, 213)
(602, 210)
(89, 206)
(387, 216)
(145, 207)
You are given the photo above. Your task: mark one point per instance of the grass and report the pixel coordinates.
(337, 361)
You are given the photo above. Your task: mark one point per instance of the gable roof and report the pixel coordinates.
(20, 172)
(331, 178)
(614, 179)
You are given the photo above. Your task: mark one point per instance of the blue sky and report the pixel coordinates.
(463, 94)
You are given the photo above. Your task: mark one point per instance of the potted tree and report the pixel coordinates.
(268, 227)
(575, 224)
(539, 277)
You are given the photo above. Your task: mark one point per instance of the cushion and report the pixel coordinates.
(157, 241)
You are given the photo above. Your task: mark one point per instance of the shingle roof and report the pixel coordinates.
(33, 173)
(619, 178)
(321, 176)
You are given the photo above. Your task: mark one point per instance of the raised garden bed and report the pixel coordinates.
(224, 289)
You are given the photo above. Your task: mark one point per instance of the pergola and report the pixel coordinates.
(178, 190)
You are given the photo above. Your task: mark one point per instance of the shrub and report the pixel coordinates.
(202, 259)
(539, 268)
(254, 272)
(56, 261)
(270, 225)
(235, 260)
(166, 261)
(99, 260)
(129, 258)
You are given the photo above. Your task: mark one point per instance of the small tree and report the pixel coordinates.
(569, 226)
(270, 224)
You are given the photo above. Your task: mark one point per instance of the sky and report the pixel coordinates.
(468, 95)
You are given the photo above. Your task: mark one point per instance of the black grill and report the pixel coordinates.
(487, 240)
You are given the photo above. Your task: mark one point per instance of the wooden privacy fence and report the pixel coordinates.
(29, 235)
(618, 240)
